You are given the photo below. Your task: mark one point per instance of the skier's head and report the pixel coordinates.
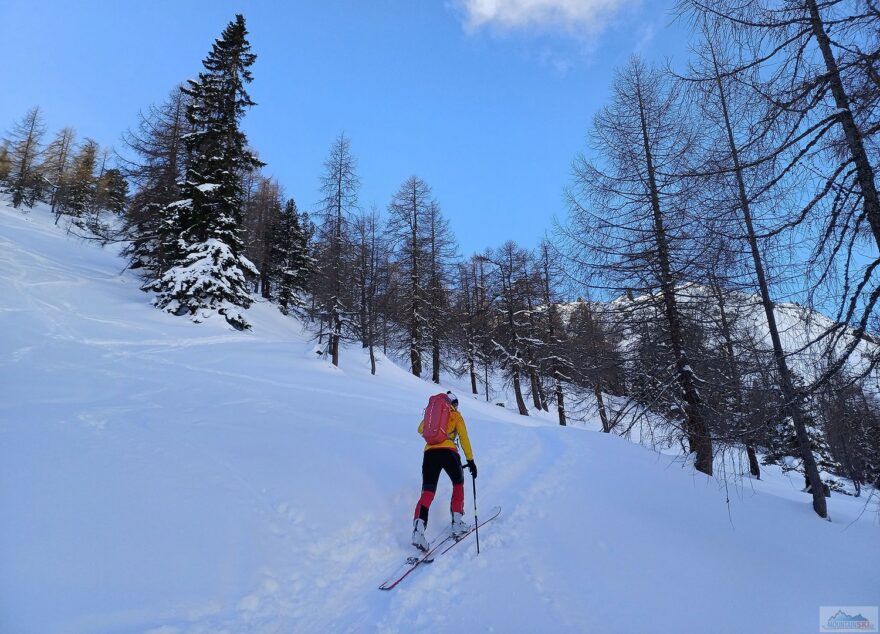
(453, 399)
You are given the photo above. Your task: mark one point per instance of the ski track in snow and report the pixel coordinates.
(165, 477)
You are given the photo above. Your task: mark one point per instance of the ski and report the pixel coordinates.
(413, 562)
(439, 546)
(493, 513)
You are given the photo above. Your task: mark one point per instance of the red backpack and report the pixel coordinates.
(435, 425)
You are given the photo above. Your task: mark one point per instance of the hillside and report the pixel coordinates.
(162, 476)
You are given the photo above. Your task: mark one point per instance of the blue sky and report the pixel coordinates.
(486, 100)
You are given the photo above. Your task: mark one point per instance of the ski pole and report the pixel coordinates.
(476, 519)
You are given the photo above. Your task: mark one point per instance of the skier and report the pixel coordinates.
(444, 456)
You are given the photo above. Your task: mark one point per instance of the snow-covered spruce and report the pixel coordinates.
(202, 230)
(210, 278)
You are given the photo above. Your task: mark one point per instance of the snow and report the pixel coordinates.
(162, 476)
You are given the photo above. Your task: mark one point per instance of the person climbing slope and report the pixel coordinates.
(442, 427)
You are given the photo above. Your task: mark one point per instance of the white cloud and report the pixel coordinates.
(585, 16)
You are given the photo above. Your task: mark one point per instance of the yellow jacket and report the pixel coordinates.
(456, 430)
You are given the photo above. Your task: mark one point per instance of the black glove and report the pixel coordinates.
(472, 467)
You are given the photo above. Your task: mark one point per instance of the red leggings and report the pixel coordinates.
(435, 461)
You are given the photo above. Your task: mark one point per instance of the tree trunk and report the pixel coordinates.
(371, 327)
(471, 368)
(363, 310)
(415, 354)
(535, 385)
(520, 403)
(334, 343)
(265, 289)
(854, 140)
(793, 406)
(754, 467)
(486, 378)
(698, 434)
(435, 358)
(560, 400)
(600, 405)
(336, 335)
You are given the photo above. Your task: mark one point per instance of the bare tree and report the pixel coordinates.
(555, 361)
(629, 216)
(369, 273)
(408, 231)
(262, 213)
(55, 168)
(441, 251)
(817, 82)
(510, 262)
(154, 160)
(745, 182)
(339, 190)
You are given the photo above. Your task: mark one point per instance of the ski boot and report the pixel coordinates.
(459, 526)
(418, 536)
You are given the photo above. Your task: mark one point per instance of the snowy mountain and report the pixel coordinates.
(801, 329)
(162, 476)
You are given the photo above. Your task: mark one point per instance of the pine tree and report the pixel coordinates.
(209, 269)
(291, 263)
(113, 190)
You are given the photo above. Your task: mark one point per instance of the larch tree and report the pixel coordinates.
(339, 189)
(472, 317)
(80, 198)
(4, 163)
(55, 168)
(262, 212)
(371, 255)
(408, 227)
(510, 261)
(555, 361)
(817, 82)
(25, 146)
(441, 251)
(744, 179)
(155, 163)
(629, 224)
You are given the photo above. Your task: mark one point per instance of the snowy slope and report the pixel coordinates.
(162, 476)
